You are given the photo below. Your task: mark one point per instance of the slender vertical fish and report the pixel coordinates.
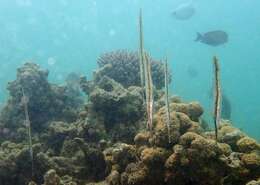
(166, 79)
(25, 101)
(217, 99)
(148, 91)
(145, 75)
(141, 49)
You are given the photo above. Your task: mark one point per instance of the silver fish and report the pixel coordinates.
(184, 11)
(213, 38)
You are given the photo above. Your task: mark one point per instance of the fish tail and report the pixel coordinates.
(199, 37)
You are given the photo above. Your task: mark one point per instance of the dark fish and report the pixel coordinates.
(213, 38)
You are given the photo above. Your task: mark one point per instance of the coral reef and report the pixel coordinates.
(117, 108)
(47, 101)
(116, 104)
(106, 143)
(124, 68)
(194, 159)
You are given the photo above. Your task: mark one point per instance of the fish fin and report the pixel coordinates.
(199, 37)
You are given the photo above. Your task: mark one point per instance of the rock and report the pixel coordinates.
(98, 183)
(57, 133)
(83, 114)
(195, 127)
(121, 155)
(252, 161)
(175, 99)
(225, 148)
(247, 145)
(135, 174)
(113, 178)
(142, 138)
(94, 161)
(109, 98)
(47, 102)
(229, 135)
(91, 129)
(154, 157)
(193, 110)
(13, 157)
(160, 136)
(122, 132)
(69, 148)
(67, 180)
(187, 138)
(32, 183)
(254, 182)
(206, 148)
(150, 165)
(51, 178)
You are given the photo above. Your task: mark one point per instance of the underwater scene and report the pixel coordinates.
(129, 92)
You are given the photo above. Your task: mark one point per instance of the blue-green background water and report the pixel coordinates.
(68, 35)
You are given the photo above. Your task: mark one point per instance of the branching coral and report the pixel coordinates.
(125, 68)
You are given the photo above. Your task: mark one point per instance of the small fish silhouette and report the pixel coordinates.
(184, 11)
(213, 38)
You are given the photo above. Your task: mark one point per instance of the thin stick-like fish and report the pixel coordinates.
(141, 49)
(25, 101)
(217, 99)
(145, 75)
(148, 91)
(166, 79)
